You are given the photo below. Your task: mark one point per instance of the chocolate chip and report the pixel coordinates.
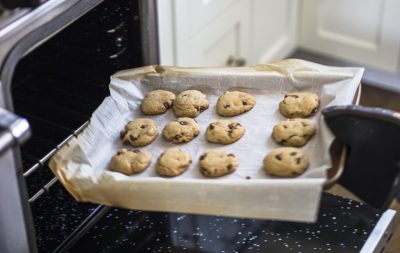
(167, 105)
(230, 132)
(229, 167)
(282, 142)
(231, 126)
(304, 124)
(248, 177)
(126, 142)
(227, 106)
(119, 153)
(244, 102)
(284, 126)
(143, 126)
(293, 96)
(230, 154)
(286, 96)
(122, 134)
(293, 153)
(183, 123)
(294, 173)
(298, 160)
(279, 157)
(133, 138)
(203, 156)
(211, 126)
(177, 136)
(202, 108)
(314, 110)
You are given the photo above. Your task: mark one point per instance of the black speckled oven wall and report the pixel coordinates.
(57, 87)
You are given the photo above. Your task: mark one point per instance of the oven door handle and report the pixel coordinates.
(14, 130)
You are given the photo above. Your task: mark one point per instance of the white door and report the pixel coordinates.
(210, 32)
(361, 31)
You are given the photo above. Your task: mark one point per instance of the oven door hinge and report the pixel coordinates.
(14, 130)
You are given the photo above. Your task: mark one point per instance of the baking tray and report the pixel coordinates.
(81, 165)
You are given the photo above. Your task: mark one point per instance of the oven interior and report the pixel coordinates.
(56, 87)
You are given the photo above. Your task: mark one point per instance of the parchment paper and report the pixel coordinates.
(81, 165)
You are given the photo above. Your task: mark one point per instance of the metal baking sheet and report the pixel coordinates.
(81, 165)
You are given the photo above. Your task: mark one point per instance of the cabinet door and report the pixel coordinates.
(273, 29)
(209, 32)
(361, 31)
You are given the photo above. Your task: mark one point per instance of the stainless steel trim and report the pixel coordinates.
(13, 130)
(149, 31)
(381, 234)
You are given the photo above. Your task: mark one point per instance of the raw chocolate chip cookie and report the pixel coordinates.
(130, 161)
(181, 130)
(299, 105)
(286, 162)
(190, 103)
(233, 103)
(293, 132)
(157, 102)
(217, 163)
(224, 131)
(139, 133)
(173, 162)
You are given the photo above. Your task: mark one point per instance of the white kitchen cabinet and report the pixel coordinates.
(215, 33)
(360, 31)
(273, 29)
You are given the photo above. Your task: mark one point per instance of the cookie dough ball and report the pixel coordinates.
(217, 163)
(130, 161)
(173, 162)
(233, 103)
(224, 131)
(299, 105)
(190, 103)
(286, 162)
(181, 130)
(293, 132)
(157, 102)
(139, 133)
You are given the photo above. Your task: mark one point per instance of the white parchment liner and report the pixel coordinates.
(81, 165)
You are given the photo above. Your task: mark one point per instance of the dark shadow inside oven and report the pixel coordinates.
(56, 87)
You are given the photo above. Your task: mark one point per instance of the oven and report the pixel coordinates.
(56, 60)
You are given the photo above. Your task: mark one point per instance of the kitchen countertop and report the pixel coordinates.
(343, 226)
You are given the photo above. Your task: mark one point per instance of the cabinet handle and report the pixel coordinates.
(233, 61)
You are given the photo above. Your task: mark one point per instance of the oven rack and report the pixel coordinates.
(43, 163)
